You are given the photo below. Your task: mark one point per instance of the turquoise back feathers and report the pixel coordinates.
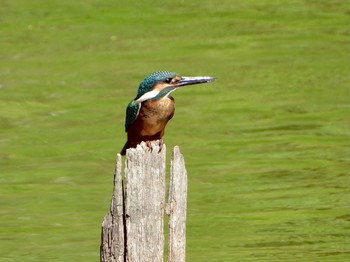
(132, 111)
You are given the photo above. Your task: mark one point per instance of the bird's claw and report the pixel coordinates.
(149, 145)
(161, 143)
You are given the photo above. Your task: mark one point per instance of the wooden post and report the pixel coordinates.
(176, 208)
(113, 239)
(145, 203)
(132, 231)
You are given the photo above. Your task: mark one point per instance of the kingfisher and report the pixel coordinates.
(149, 112)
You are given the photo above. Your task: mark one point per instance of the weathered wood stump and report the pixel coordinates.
(133, 229)
(176, 208)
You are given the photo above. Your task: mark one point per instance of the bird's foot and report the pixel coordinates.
(161, 143)
(149, 145)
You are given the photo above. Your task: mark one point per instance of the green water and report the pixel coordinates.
(266, 146)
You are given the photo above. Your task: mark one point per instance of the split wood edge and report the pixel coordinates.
(133, 228)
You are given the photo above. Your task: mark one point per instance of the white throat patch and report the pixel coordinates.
(147, 96)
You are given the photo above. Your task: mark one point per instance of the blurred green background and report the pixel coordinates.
(266, 146)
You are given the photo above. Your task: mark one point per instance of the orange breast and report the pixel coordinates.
(152, 119)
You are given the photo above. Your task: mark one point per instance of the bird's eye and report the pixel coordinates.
(168, 80)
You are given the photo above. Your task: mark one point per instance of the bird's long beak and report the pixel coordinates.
(194, 80)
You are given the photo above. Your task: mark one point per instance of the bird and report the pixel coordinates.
(149, 112)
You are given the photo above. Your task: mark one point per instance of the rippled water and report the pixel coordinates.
(266, 145)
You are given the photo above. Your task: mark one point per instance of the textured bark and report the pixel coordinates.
(176, 208)
(112, 237)
(132, 231)
(145, 203)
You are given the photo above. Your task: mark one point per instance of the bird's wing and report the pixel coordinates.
(132, 112)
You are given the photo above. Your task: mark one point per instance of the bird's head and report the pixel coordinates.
(162, 83)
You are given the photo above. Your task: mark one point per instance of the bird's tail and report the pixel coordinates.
(126, 146)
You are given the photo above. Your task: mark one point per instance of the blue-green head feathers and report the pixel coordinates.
(151, 80)
(146, 92)
(146, 85)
